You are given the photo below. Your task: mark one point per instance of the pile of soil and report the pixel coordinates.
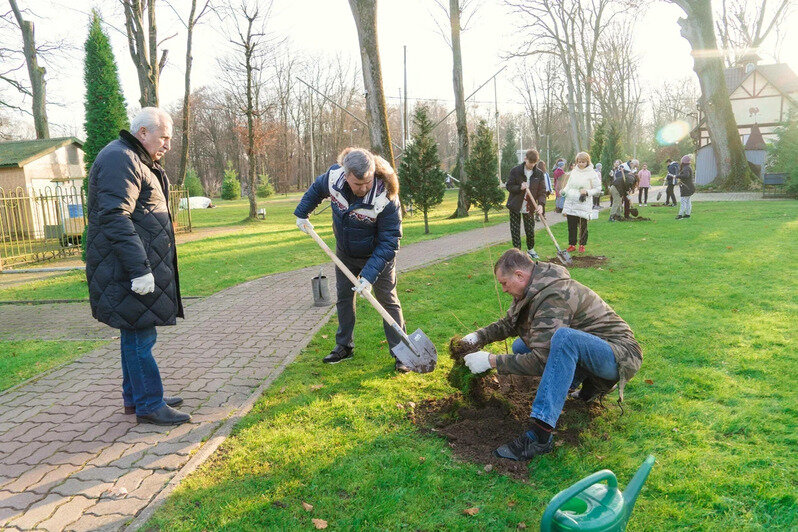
(474, 430)
(582, 261)
(635, 219)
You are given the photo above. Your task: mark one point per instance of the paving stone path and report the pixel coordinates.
(70, 459)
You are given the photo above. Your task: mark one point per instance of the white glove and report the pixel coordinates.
(470, 339)
(304, 225)
(362, 286)
(478, 362)
(143, 285)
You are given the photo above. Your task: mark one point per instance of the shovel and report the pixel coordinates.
(562, 255)
(416, 351)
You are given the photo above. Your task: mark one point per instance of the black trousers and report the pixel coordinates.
(640, 195)
(529, 229)
(577, 224)
(670, 194)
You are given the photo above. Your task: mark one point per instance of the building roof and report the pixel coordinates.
(780, 75)
(20, 152)
(755, 140)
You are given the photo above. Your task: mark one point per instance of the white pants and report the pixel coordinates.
(686, 206)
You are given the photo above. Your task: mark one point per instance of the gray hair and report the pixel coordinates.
(150, 118)
(359, 162)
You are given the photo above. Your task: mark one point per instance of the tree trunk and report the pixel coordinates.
(181, 176)
(426, 223)
(486, 214)
(253, 202)
(144, 54)
(365, 14)
(463, 204)
(36, 74)
(698, 29)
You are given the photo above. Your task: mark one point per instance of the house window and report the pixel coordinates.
(72, 155)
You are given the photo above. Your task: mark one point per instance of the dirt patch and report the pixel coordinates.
(474, 431)
(635, 219)
(583, 261)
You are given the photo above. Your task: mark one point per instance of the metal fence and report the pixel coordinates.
(37, 226)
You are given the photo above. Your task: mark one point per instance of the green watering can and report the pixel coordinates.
(592, 507)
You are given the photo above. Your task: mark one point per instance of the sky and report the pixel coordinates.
(327, 26)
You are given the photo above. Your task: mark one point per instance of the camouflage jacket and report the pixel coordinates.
(553, 300)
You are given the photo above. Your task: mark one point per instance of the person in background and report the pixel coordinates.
(644, 182)
(525, 176)
(582, 184)
(558, 175)
(670, 183)
(597, 197)
(686, 188)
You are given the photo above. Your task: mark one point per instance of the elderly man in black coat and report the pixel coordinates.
(131, 263)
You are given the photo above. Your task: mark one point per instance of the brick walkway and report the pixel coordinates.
(71, 460)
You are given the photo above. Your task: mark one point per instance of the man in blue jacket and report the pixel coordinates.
(367, 222)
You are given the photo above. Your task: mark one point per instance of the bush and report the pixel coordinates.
(192, 183)
(783, 154)
(231, 187)
(265, 187)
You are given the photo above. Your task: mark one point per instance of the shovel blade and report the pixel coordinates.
(565, 257)
(420, 355)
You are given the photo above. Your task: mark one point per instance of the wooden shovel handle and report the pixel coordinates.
(542, 219)
(367, 294)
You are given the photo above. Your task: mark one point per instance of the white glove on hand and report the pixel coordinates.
(143, 285)
(362, 286)
(478, 362)
(304, 225)
(470, 339)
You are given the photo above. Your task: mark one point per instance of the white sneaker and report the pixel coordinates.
(533, 254)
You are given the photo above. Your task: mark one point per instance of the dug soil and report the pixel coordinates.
(635, 219)
(582, 261)
(474, 431)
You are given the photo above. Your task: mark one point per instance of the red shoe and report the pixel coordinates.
(571, 249)
(581, 249)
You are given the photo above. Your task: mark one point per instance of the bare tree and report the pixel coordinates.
(698, 29)
(743, 26)
(38, 90)
(365, 13)
(193, 19)
(142, 38)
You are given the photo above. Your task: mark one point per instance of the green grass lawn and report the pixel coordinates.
(255, 249)
(21, 360)
(713, 302)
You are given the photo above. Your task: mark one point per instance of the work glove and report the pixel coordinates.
(471, 339)
(304, 225)
(143, 285)
(362, 286)
(478, 362)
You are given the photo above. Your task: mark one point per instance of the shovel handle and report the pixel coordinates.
(365, 293)
(542, 219)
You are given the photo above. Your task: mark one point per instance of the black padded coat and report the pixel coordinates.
(130, 234)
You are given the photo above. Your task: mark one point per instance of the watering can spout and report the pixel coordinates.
(636, 484)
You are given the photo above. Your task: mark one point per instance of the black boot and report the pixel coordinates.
(166, 415)
(339, 353)
(171, 401)
(525, 447)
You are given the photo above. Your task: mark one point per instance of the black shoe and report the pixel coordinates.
(166, 415)
(341, 352)
(171, 401)
(679, 217)
(524, 448)
(686, 216)
(594, 388)
(401, 368)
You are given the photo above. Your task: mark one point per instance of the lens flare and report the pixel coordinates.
(673, 132)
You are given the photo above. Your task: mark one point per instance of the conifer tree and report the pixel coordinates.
(509, 157)
(483, 189)
(421, 180)
(105, 104)
(609, 153)
(596, 147)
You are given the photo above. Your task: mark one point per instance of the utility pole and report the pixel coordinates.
(312, 152)
(405, 131)
(402, 121)
(496, 116)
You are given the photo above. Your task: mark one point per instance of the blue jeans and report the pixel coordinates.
(572, 353)
(141, 380)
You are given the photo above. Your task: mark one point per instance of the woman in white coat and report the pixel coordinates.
(582, 186)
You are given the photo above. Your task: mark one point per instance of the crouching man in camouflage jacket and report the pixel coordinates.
(573, 337)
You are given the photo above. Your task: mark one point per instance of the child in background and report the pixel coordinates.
(597, 198)
(670, 183)
(582, 184)
(558, 174)
(644, 177)
(686, 188)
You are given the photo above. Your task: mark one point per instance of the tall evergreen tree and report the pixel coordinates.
(509, 157)
(105, 104)
(596, 147)
(421, 180)
(482, 187)
(610, 152)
